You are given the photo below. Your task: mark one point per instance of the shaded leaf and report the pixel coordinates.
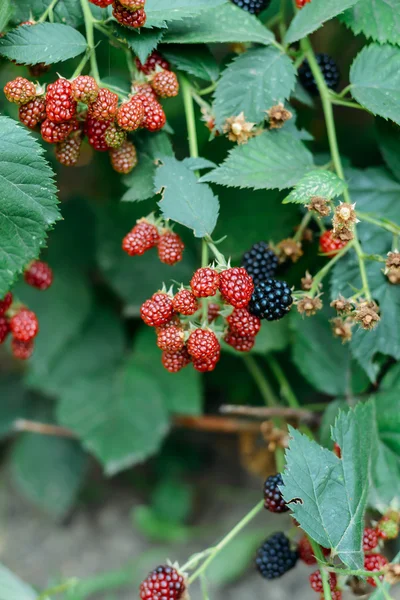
(15, 403)
(196, 164)
(196, 60)
(316, 183)
(389, 145)
(376, 19)
(6, 12)
(157, 14)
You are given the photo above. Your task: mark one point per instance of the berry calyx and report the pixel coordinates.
(68, 151)
(241, 343)
(271, 300)
(370, 539)
(39, 275)
(330, 72)
(33, 112)
(254, 7)
(141, 238)
(185, 302)
(131, 114)
(275, 557)
(207, 364)
(330, 245)
(24, 325)
(114, 136)
(164, 583)
(129, 18)
(260, 262)
(154, 116)
(170, 248)
(158, 310)
(316, 581)
(4, 328)
(20, 90)
(53, 133)
(165, 84)
(60, 106)
(84, 89)
(236, 286)
(96, 131)
(176, 360)
(170, 338)
(374, 562)
(243, 323)
(124, 158)
(22, 350)
(205, 282)
(202, 343)
(5, 303)
(105, 107)
(273, 499)
(152, 62)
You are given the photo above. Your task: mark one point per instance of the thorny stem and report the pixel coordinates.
(47, 11)
(58, 589)
(225, 541)
(88, 17)
(324, 574)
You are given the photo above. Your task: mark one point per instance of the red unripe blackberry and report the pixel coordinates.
(171, 338)
(96, 131)
(133, 4)
(213, 310)
(24, 325)
(165, 84)
(20, 90)
(164, 583)
(185, 302)
(175, 361)
(170, 248)
(4, 328)
(22, 350)
(158, 310)
(301, 3)
(236, 287)
(60, 106)
(143, 89)
(202, 343)
(114, 136)
(105, 107)
(207, 364)
(53, 133)
(243, 323)
(39, 275)
(32, 113)
(68, 151)
(241, 343)
(329, 245)
(131, 114)
(5, 303)
(316, 581)
(205, 282)
(141, 238)
(152, 62)
(84, 89)
(129, 18)
(154, 116)
(370, 539)
(306, 553)
(374, 562)
(102, 3)
(124, 158)
(273, 499)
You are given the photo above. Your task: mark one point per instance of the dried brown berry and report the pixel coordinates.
(307, 282)
(342, 328)
(342, 305)
(392, 270)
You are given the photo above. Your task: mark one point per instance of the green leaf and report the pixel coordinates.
(172, 499)
(15, 403)
(316, 183)
(142, 42)
(68, 12)
(13, 588)
(28, 204)
(252, 83)
(375, 80)
(62, 467)
(197, 164)
(322, 359)
(238, 26)
(311, 17)
(328, 420)
(389, 144)
(6, 12)
(375, 191)
(119, 416)
(184, 199)
(263, 163)
(45, 42)
(158, 12)
(376, 19)
(196, 60)
(333, 492)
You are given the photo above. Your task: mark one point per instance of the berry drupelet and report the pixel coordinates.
(275, 557)
(260, 262)
(330, 245)
(39, 275)
(329, 69)
(170, 248)
(273, 498)
(164, 583)
(254, 7)
(271, 300)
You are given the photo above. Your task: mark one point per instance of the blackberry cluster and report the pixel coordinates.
(274, 501)
(275, 557)
(260, 262)
(254, 7)
(271, 300)
(329, 69)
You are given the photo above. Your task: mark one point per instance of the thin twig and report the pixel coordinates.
(42, 428)
(262, 412)
(216, 424)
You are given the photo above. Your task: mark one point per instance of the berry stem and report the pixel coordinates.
(325, 270)
(207, 90)
(363, 272)
(356, 572)
(228, 538)
(305, 221)
(382, 588)
(348, 103)
(47, 11)
(285, 388)
(88, 17)
(324, 574)
(81, 65)
(218, 255)
(383, 223)
(58, 589)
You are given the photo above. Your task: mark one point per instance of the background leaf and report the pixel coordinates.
(316, 183)
(157, 14)
(68, 12)
(196, 60)
(13, 588)
(6, 12)
(45, 42)
(376, 19)
(389, 144)
(142, 42)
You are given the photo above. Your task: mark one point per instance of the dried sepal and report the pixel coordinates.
(319, 205)
(309, 306)
(238, 129)
(289, 249)
(367, 314)
(278, 115)
(342, 328)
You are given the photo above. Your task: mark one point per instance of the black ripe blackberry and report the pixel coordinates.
(275, 557)
(260, 262)
(271, 300)
(329, 70)
(252, 6)
(274, 501)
